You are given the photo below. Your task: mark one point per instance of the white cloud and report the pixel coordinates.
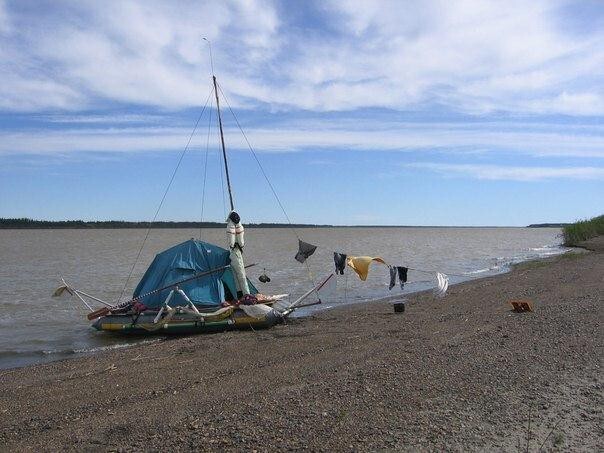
(471, 56)
(580, 141)
(127, 118)
(4, 20)
(131, 51)
(496, 172)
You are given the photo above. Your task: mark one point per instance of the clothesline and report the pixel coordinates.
(360, 265)
(388, 264)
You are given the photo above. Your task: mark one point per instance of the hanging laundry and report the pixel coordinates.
(340, 261)
(392, 277)
(304, 250)
(402, 275)
(360, 264)
(442, 282)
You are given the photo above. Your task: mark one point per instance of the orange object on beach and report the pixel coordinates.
(521, 306)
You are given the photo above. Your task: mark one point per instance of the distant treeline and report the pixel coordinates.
(25, 223)
(548, 225)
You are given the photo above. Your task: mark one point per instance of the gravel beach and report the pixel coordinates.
(459, 373)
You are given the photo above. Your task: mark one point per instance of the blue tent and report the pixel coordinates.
(183, 261)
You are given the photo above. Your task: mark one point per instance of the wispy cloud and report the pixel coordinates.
(496, 172)
(120, 119)
(582, 141)
(4, 21)
(469, 56)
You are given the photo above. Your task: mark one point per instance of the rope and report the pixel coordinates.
(410, 268)
(259, 164)
(346, 288)
(291, 227)
(182, 155)
(436, 272)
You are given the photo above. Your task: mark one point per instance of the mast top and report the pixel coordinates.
(224, 155)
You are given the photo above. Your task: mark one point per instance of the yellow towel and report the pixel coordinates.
(360, 264)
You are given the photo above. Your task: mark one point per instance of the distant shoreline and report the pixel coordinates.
(29, 224)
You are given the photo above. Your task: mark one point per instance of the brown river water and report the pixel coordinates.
(35, 327)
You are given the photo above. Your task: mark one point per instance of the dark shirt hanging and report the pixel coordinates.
(304, 250)
(392, 270)
(402, 275)
(340, 261)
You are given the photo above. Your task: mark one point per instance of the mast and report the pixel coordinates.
(226, 165)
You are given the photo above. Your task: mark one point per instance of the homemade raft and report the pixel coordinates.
(194, 304)
(190, 288)
(195, 286)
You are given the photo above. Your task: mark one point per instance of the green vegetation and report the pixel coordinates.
(583, 230)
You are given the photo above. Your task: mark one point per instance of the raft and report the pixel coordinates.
(143, 323)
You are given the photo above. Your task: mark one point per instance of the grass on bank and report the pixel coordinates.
(583, 230)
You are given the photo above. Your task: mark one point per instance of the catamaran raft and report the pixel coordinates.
(191, 288)
(196, 286)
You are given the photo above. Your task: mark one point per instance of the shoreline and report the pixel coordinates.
(461, 372)
(27, 359)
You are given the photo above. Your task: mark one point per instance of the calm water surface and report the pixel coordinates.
(35, 327)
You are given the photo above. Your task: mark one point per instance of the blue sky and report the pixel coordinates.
(392, 112)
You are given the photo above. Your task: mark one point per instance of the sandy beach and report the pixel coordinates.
(459, 373)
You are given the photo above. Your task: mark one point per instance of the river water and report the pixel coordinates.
(34, 327)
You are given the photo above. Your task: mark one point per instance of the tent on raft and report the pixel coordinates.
(184, 261)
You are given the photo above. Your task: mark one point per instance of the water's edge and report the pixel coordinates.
(19, 359)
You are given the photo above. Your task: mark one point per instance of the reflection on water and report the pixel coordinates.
(35, 327)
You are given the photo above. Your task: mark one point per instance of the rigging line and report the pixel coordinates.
(258, 162)
(436, 272)
(205, 173)
(310, 276)
(182, 155)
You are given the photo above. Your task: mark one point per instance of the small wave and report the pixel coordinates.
(56, 351)
(481, 271)
(114, 346)
(12, 353)
(548, 249)
(545, 248)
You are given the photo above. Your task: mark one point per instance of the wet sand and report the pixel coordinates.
(459, 373)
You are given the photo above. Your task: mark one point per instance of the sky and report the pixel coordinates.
(367, 113)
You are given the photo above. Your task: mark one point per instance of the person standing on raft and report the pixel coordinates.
(236, 243)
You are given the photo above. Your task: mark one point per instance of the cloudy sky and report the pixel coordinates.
(381, 112)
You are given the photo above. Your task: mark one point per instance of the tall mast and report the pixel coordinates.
(226, 164)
